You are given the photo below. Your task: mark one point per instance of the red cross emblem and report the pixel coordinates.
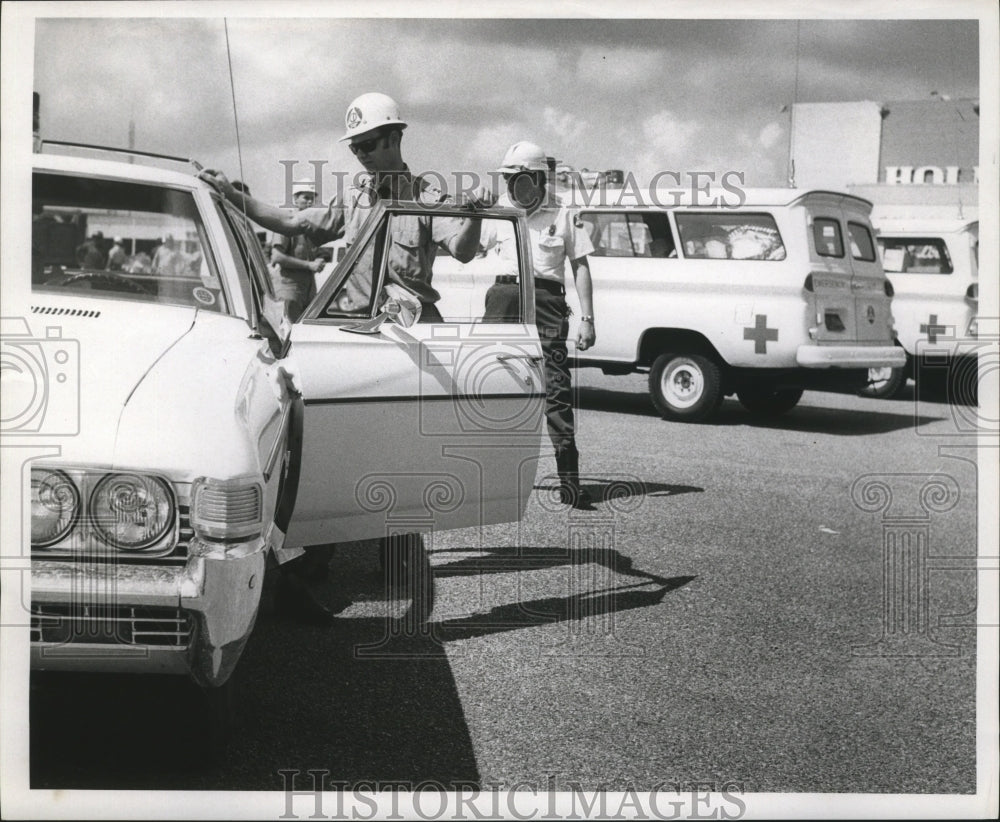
(932, 329)
(760, 334)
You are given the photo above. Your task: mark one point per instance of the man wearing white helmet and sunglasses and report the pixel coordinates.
(554, 238)
(374, 131)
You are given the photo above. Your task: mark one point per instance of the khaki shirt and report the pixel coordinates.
(415, 238)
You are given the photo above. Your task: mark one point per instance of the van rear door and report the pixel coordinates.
(872, 309)
(830, 275)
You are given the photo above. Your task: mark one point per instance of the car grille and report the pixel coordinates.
(115, 625)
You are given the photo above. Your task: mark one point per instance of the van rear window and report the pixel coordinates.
(862, 247)
(730, 237)
(915, 255)
(826, 234)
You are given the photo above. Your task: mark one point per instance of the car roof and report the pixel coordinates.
(113, 168)
(924, 227)
(683, 198)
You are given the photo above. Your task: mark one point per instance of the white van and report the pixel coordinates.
(762, 297)
(933, 265)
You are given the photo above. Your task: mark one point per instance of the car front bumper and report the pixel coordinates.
(123, 617)
(850, 356)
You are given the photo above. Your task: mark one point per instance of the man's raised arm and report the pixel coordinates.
(267, 216)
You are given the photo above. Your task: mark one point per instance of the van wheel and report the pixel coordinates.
(769, 401)
(885, 383)
(685, 387)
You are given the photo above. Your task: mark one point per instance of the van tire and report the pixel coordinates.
(885, 387)
(685, 387)
(769, 401)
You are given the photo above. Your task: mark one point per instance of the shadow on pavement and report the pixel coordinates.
(369, 700)
(811, 419)
(304, 701)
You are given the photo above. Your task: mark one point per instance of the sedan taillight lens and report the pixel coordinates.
(55, 506)
(131, 511)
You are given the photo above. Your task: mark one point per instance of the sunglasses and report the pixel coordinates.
(364, 146)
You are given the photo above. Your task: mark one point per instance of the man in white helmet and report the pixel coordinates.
(554, 237)
(297, 259)
(374, 131)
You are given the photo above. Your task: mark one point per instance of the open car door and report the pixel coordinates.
(410, 425)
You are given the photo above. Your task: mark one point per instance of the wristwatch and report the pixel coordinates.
(586, 318)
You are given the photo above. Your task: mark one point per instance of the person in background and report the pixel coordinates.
(554, 237)
(117, 256)
(296, 260)
(90, 254)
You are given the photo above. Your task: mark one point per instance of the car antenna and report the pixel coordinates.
(236, 120)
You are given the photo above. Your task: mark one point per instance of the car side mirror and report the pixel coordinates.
(402, 308)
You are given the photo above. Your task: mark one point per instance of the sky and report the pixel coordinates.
(641, 95)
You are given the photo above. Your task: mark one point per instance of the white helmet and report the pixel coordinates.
(369, 112)
(524, 156)
(303, 188)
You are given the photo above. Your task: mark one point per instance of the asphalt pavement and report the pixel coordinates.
(780, 605)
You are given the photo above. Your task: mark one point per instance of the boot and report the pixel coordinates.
(570, 491)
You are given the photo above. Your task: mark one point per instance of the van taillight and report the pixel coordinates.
(889, 290)
(808, 284)
(833, 322)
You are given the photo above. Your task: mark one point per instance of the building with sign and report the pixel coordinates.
(911, 158)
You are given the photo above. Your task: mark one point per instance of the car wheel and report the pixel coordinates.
(769, 401)
(685, 387)
(885, 383)
(408, 574)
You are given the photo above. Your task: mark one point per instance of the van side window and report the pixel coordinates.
(730, 237)
(915, 255)
(630, 234)
(862, 247)
(826, 233)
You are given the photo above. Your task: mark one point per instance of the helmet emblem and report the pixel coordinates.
(354, 117)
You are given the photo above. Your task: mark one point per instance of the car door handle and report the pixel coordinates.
(534, 359)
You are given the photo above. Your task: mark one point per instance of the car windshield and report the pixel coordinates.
(119, 239)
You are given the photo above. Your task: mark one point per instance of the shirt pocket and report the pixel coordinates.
(551, 251)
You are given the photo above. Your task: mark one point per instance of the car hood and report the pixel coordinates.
(71, 364)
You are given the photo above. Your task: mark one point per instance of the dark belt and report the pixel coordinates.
(546, 285)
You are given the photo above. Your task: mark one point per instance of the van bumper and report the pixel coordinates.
(850, 356)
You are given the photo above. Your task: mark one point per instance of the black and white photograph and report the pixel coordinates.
(515, 411)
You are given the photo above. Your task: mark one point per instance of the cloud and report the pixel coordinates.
(770, 134)
(567, 127)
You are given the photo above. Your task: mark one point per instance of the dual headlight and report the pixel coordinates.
(127, 511)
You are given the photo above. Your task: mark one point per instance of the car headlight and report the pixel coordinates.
(55, 506)
(130, 511)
